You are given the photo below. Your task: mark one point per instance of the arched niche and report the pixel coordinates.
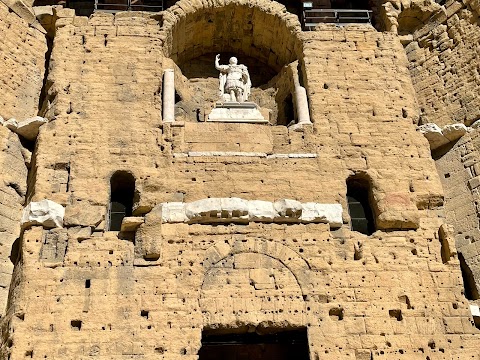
(252, 287)
(359, 200)
(122, 192)
(262, 35)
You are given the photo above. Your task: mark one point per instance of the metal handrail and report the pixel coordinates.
(126, 6)
(313, 17)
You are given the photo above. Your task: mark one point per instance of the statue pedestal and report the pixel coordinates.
(235, 112)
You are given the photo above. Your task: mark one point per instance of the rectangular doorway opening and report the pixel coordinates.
(276, 345)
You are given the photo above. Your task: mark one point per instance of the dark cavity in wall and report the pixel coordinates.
(43, 100)
(470, 287)
(280, 345)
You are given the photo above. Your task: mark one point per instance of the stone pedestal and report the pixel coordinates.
(235, 112)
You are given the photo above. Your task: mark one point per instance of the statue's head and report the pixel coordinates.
(233, 60)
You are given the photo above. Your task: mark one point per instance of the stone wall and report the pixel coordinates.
(384, 302)
(22, 66)
(82, 291)
(444, 58)
(13, 187)
(459, 171)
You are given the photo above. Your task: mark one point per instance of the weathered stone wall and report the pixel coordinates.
(459, 172)
(96, 302)
(13, 184)
(82, 291)
(22, 65)
(444, 57)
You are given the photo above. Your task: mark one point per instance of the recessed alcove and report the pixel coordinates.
(265, 39)
(271, 89)
(203, 67)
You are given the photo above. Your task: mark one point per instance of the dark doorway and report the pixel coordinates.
(285, 345)
(122, 189)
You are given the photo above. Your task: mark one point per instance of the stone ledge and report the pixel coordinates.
(245, 154)
(236, 210)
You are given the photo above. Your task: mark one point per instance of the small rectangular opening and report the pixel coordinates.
(270, 345)
(87, 284)
(76, 324)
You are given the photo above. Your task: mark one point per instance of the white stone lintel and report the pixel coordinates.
(236, 210)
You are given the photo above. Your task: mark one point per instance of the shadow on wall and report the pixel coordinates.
(469, 284)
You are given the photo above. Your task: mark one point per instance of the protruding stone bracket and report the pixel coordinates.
(45, 213)
(27, 128)
(438, 137)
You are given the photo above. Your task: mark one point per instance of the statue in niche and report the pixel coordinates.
(235, 83)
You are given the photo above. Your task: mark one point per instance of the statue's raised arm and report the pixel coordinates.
(219, 67)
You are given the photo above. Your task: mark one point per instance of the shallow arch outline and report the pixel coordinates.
(297, 265)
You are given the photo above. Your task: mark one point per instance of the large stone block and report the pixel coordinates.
(27, 128)
(323, 213)
(45, 213)
(84, 215)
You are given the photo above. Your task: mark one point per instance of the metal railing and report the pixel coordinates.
(313, 17)
(129, 5)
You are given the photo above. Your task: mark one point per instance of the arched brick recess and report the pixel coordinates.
(260, 29)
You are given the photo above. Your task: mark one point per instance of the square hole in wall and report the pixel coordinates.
(274, 344)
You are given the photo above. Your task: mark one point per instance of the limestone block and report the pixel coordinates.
(149, 234)
(288, 208)
(131, 223)
(173, 212)
(475, 310)
(447, 239)
(261, 210)
(323, 213)
(390, 220)
(205, 208)
(455, 131)
(54, 246)
(434, 135)
(46, 213)
(234, 208)
(27, 128)
(84, 215)
(22, 9)
(80, 232)
(476, 124)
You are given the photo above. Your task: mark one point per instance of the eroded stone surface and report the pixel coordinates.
(396, 294)
(45, 213)
(27, 128)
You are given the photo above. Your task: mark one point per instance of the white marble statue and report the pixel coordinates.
(235, 83)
